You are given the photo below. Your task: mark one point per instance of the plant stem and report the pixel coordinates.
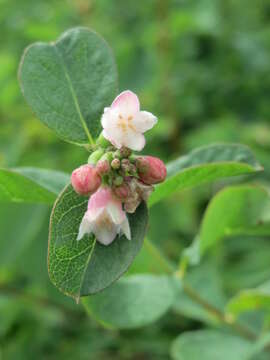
(218, 314)
(193, 295)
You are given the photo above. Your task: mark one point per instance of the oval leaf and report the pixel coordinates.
(132, 302)
(31, 185)
(210, 345)
(236, 210)
(84, 267)
(251, 299)
(204, 165)
(68, 83)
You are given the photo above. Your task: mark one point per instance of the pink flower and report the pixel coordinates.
(104, 218)
(85, 180)
(124, 124)
(151, 170)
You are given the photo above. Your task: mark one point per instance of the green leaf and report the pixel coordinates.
(210, 345)
(251, 299)
(133, 301)
(233, 211)
(204, 165)
(31, 185)
(84, 267)
(69, 82)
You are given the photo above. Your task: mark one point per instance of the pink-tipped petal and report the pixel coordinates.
(144, 121)
(100, 199)
(104, 217)
(127, 103)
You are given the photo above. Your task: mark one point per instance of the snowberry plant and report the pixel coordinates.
(99, 219)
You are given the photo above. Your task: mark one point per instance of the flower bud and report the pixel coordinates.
(125, 152)
(122, 191)
(85, 180)
(118, 181)
(103, 167)
(125, 165)
(142, 164)
(151, 170)
(115, 164)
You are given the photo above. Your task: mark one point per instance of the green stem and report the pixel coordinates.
(218, 314)
(193, 295)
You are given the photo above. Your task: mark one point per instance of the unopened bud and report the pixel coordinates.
(125, 165)
(118, 181)
(151, 170)
(122, 191)
(115, 164)
(95, 156)
(103, 167)
(132, 158)
(132, 169)
(142, 164)
(125, 152)
(117, 154)
(107, 156)
(85, 180)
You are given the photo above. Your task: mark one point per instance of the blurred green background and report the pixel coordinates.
(203, 68)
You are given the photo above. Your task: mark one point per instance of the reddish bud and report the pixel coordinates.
(125, 152)
(122, 191)
(151, 170)
(103, 167)
(85, 180)
(142, 164)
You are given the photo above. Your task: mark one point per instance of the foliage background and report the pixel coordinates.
(203, 68)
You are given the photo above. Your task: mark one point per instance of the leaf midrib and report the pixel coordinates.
(74, 96)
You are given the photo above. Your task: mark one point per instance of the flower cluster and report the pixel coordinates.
(115, 179)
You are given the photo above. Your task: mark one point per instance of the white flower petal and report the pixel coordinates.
(85, 227)
(114, 136)
(133, 140)
(105, 235)
(144, 121)
(109, 117)
(127, 103)
(116, 212)
(125, 229)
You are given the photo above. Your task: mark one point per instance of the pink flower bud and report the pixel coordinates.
(103, 167)
(142, 164)
(151, 170)
(122, 192)
(85, 180)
